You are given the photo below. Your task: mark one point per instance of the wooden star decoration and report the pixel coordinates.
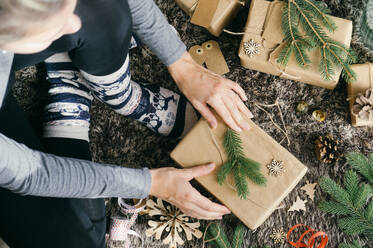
(251, 48)
(278, 236)
(309, 189)
(276, 168)
(171, 221)
(298, 205)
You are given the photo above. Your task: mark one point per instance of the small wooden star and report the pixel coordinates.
(251, 48)
(278, 236)
(276, 168)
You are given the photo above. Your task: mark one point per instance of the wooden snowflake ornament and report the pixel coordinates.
(309, 189)
(298, 205)
(171, 221)
(251, 48)
(278, 236)
(276, 168)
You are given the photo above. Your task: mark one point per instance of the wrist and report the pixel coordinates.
(179, 67)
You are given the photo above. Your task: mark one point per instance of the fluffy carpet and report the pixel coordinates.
(118, 140)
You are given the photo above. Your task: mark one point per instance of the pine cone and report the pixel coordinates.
(326, 149)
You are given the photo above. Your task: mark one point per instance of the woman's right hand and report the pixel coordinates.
(173, 186)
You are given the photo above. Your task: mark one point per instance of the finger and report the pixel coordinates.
(206, 113)
(195, 211)
(197, 171)
(238, 89)
(230, 103)
(222, 110)
(208, 205)
(242, 107)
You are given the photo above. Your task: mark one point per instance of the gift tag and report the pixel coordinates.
(198, 54)
(215, 60)
(210, 55)
(204, 12)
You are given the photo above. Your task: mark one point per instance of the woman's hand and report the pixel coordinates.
(204, 88)
(172, 185)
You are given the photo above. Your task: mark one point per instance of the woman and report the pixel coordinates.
(85, 44)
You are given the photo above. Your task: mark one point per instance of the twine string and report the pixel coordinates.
(276, 104)
(204, 241)
(222, 162)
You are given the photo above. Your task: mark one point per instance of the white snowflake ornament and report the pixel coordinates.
(276, 168)
(171, 221)
(251, 48)
(278, 236)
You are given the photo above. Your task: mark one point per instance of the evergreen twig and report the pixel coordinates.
(241, 166)
(355, 244)
(311, 16)
(352, 202)
(222, 241)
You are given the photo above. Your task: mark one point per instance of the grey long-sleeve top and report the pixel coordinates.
(31, 172)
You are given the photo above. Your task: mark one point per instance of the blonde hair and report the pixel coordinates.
(18, 16)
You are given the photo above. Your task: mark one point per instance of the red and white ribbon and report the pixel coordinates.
(120, 227)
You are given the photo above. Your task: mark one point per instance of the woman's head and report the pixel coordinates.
(30, 26)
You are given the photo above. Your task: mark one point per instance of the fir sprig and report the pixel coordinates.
(362, 164)
(352, 202)
(241, 166)
(311, 16)
(219, 239)
(355, 244)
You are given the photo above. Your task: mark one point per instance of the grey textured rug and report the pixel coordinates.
(118, 140)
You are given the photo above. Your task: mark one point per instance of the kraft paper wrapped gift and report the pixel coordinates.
(223, 13)
(364, 82)
(204, 145)
(263, 26)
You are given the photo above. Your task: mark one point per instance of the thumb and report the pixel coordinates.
(199, 171)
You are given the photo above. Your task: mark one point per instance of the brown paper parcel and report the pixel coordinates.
(263, 26)
(364, 81)
(225, 12)
(200, 147)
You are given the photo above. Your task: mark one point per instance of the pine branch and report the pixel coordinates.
(361, 196)
(354, 245)
(353, 202)
(351, 183)
(224, 171)
(364, 165)
(241, 166)
(335, 191)
(240, 183)
(221, 240)
(238, 236)
(352, 225)
(312, 17)
(333, 207)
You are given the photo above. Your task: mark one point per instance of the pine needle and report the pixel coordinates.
(238, 236)
(352, 202)
(311, 17)
(241, 166)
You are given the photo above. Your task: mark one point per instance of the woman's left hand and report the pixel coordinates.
(204, 88)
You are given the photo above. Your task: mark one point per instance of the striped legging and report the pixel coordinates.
(67, 113)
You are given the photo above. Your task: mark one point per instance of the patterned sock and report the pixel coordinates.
(66, 114)
(162, 110)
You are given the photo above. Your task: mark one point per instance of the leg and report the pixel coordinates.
(161, 110)
(28, 221)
